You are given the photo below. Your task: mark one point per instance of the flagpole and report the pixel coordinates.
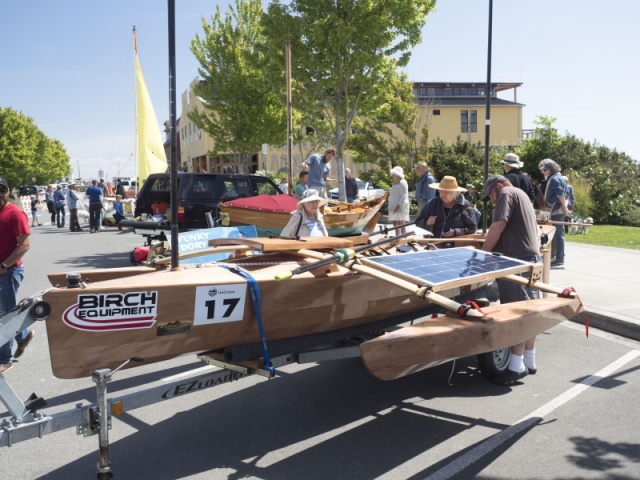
(173, 163)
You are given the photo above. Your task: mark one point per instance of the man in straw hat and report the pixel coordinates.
(512, 172)
(307, 220)
(423, 192)
(449, 214)
(514, 233)
(72, 203)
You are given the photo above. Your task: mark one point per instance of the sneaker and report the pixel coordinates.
(510, 377)
(5, 367)
(23, 344)
(557, 263)
(532, 371)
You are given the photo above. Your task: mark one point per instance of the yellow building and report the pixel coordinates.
(457, 109)
(449, 109)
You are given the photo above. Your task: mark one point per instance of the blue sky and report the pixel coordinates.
(69, 65)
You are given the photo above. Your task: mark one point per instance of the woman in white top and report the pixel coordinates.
(307, 220)
(399, 200)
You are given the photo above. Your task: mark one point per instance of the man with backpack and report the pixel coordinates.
(512, 171)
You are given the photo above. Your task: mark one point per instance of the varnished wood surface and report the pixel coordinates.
(314, 302)
(428, 343)
(284, 244)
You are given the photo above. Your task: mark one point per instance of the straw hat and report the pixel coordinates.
(397, 171)
(449, 184)
(512, 160)
(311, 195)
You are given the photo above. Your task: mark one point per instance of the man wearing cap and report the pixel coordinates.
(514, 233)
(512, 172)
(319, 167)
(72, 203)
(14, 243)
(423, 192)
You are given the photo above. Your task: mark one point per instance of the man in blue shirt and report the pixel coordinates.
(94, 193)
(319, 167)
(423, 192)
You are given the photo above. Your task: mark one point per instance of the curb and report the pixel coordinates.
(610, 322)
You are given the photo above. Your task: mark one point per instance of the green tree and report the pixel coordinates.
(387, 137)
(242, 111)
(344, 54)
(27, 153)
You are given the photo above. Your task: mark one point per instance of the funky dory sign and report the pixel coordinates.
(197, 240)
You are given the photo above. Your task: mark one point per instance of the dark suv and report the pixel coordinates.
(198, 194)
(29, 190)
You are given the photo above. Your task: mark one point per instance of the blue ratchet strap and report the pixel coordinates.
(254, 289)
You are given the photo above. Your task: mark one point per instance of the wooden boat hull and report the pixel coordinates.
(341, 219)
(164, 314)
(434, 341)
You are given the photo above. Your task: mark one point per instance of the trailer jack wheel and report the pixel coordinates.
(40, 310)
(494, 364)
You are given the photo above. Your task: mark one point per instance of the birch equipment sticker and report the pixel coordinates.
(112, 311)
(219, 304)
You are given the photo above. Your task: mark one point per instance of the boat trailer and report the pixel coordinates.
(27, 421)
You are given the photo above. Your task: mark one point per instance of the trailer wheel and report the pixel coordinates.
(40, 310)
(494, 364)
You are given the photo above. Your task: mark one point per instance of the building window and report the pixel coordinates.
(422, 91)
(474, 121)
(436, 112)
(464, 121)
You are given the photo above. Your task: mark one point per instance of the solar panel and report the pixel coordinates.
(437, 267)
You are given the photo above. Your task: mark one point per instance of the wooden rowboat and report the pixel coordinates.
(159, 314)
(271, 213)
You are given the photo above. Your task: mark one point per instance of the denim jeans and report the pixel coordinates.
(558, 238)
(61, 215)
(94, 216)
(9, 284)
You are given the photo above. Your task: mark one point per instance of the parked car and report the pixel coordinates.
(28, 190)
(198, 194)
(366, 191)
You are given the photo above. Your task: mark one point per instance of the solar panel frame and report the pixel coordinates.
(446, 268)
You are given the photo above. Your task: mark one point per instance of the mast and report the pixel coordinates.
(287, 50)
(135, 108)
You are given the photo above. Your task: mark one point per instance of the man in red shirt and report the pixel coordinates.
(14, 243)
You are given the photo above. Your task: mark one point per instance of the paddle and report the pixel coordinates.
(385, 230)
(341, 256)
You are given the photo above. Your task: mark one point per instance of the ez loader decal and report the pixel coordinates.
(113, 311)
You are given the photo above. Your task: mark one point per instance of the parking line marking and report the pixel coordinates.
(499, 438)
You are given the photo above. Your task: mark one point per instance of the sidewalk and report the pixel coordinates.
(608, 282)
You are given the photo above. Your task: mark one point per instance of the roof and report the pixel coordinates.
(435, 102)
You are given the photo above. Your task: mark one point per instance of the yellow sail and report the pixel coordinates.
(150, 149)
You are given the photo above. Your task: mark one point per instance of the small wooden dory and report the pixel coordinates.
(271, 213)
(434, 341)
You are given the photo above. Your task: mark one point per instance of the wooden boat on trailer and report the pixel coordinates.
(341, 289)
(271, 213)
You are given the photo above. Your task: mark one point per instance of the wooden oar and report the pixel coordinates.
(340, 256)
(205, 251)
(570, 224)
(385, 230)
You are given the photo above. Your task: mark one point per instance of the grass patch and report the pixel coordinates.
(609, 236)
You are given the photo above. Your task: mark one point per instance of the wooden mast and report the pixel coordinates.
(287, 50)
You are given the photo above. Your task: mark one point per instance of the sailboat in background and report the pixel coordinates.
(151, 157)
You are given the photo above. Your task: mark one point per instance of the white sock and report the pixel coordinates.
(516, 363)
(530, 359)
